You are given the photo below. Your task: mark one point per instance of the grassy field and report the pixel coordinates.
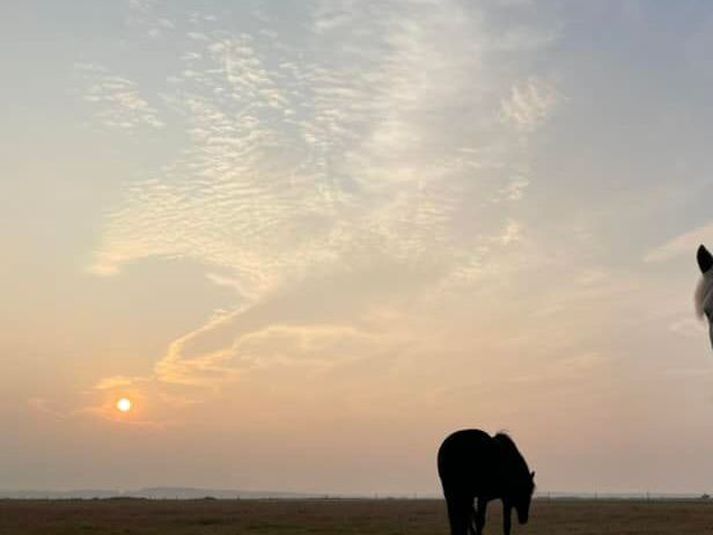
(378, 517)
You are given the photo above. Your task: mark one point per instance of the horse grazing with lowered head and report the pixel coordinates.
(474, 466)
(704, 292)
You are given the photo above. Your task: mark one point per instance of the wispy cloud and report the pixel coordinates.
(118, 382)
(364, 136)
(684, 244)
(46, 407)
(529, 104)
(298, 158)
(116, 101)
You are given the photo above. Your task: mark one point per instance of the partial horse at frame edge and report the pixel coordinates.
(704, 291)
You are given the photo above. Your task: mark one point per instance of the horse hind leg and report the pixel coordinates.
(473, 522)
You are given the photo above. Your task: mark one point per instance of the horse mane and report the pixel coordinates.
(509, 444)
(704, 292)
(505, 439)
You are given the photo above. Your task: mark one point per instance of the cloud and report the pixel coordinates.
(323, 151)
(358, 137)
(684, 244)
(530, 104)
(511, 234)
(118, 382)
(688, 327)
(515, 189)
(47, 407)
(116, 101)
(277, 345)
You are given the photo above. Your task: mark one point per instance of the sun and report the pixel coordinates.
(124, 405)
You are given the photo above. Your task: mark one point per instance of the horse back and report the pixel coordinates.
(469, 463)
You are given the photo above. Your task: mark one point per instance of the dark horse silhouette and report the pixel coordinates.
(473, 465)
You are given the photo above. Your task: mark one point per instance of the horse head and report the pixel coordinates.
(523, 497)
(704, 292)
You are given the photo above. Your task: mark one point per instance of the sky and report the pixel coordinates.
(310, 239)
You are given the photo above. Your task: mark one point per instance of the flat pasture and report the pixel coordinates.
(340, 517)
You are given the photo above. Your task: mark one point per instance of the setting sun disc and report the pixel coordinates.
(124, 405)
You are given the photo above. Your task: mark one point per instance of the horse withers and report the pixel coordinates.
(474, 466)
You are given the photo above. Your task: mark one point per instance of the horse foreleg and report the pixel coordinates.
(480, 516)
(507, 513)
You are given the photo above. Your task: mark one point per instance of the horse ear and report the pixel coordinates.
(705, 260)
(532, 475)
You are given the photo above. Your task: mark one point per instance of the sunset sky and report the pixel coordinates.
(309, 239)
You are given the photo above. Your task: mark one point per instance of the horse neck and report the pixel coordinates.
(513, 463)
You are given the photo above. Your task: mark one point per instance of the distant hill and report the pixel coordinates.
(152, 493)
